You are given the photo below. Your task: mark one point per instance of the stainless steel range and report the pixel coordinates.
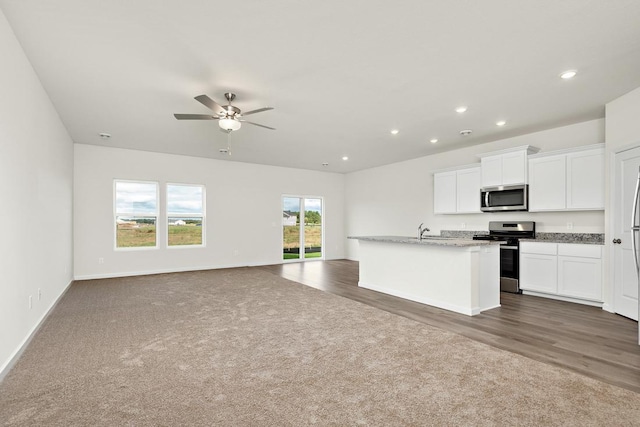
(510, 233)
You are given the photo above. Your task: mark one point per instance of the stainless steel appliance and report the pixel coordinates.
(504, 198)
(510, 233)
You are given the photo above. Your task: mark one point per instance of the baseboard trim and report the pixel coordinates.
(563, 298)
(185, 269)
(9, 364)
(163, 271)
(607, 307)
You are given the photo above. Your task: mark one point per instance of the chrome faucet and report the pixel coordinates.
(421, 231)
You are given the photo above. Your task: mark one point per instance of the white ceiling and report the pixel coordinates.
(340, 74)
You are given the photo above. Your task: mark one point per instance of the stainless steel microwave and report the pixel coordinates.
(504, 198)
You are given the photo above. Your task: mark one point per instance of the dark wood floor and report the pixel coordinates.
(582, 339)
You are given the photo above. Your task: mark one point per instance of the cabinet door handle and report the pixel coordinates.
(617, 241)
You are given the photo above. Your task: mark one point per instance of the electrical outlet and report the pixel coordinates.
(100, 260)
(569, 226)
(39, 294)
(463, 225)
(236, 252)
(30, 302)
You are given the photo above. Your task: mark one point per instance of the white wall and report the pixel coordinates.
(36, 164)
(244, 211)
(623, 120)
(394, 199)
(622, 132)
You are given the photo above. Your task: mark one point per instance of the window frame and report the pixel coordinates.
(141, 215)
(202, 215)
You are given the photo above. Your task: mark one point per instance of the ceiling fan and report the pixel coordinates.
(229, 117)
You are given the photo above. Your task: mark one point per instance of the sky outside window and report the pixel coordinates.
(184, 199)
(136, 198)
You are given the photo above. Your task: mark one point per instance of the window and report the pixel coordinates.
(136, 213)
(185, 215)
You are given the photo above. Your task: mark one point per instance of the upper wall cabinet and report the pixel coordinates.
(457, 190)
(505, 167)
(444, 192)
(570, 179)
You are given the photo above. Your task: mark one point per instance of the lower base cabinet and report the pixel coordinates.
(562, 269)
(580, 277)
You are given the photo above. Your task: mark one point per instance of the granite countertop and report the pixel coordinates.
(580, 238)
(427, 240)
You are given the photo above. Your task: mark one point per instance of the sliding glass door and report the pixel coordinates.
(301, 228)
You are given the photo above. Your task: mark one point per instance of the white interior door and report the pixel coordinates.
(625, 275)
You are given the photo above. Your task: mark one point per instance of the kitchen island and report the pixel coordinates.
(460, 275)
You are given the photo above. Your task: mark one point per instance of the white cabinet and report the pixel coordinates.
(457, 191)
(468, 190)
(514, 168)
(585, 179)
(567, 180)
(444, 192)
(505, 167)
(538, 267)
(580, 271)
(491, 171)
(547, 183)
(565, 270)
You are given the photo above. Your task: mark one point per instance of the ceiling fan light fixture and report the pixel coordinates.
(229, 124)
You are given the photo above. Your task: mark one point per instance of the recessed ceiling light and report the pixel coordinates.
(466, 132)
(345, 158)
(104, 135)
(501, 123)
(394, 132)
(433, 140)
(569, 74)
(461, 109)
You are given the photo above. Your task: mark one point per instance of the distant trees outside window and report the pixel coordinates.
(185, 214)
(136, 214)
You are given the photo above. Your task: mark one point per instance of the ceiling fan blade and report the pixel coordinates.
(210, 104)
(256, 124)
(259, 110)
(195, 117)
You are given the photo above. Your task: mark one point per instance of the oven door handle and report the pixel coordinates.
(513, 248)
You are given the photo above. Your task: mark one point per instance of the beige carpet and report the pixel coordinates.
(244, 348)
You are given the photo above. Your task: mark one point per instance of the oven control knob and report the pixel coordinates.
(617, 241)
